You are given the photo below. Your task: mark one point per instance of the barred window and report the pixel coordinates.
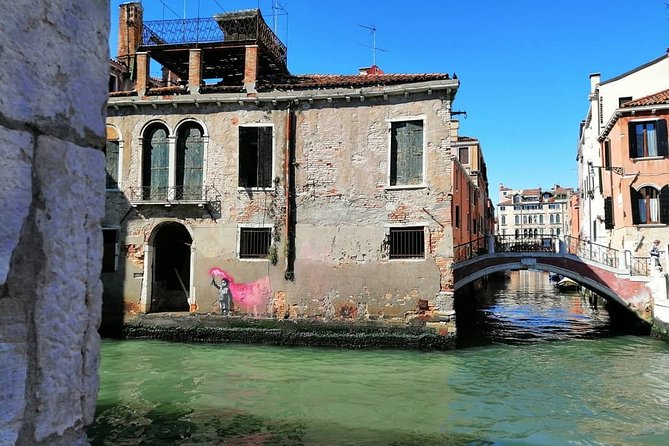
(407, 243)
(254, 243)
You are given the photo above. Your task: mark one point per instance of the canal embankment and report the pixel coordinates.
(359, 334)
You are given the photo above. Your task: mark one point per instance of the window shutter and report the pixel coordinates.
(415, 136)
(662, 138)
(607, 154)
(156, 164)
(264, 156)
(111, 164)
(193, 157)
(634, 202)
(608, 213)
(664, 205)
(631, 134)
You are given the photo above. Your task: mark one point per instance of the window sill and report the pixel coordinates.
(256, 189)
(650, 225)
(648, 158)
(414, 260)
(406, 187)
(252, 260)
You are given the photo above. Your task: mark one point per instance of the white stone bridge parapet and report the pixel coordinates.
(610, 273)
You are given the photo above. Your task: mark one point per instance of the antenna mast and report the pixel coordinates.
(372, 29)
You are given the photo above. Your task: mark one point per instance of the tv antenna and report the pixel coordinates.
(277, 10)
(372, 29)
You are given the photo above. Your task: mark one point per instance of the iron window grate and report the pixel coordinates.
(254, 243)
(407, 243)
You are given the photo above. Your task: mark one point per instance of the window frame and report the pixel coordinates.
(241, 229)
(661, 139)
(423, 182)
(409, 257)
(117, 245)
(272, 160)
(119, 141)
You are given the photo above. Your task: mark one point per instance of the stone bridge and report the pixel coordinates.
(612, 274)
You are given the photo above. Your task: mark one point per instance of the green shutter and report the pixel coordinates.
(664, 205)
(264, 157)
(608, 213)
(111, 164)
(190, 156)
(156, 165)
(634, 201)
(661, 130)
(406, 153)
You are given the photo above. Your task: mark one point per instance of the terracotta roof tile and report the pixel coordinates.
(353, 80)
(531, 191)
(654, 99)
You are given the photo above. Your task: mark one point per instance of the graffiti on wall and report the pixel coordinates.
(243, 297)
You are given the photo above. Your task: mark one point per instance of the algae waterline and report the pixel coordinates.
(218, 329)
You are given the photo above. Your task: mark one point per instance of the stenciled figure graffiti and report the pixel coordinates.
(224, 295)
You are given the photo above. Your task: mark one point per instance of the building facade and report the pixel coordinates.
(635, 175)
(533, 213)
(229, 179)
(605, 98)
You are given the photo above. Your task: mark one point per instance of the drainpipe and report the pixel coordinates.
(289, 189)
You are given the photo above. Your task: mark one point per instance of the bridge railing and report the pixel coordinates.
(639, 266)
(511, 243)
(595, 252)
(469, 250)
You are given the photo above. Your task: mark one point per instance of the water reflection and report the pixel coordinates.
(526, 307)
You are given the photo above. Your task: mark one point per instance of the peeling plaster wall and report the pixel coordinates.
(343, 204)
(51, 129)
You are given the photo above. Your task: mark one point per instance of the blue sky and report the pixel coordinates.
(523, 65)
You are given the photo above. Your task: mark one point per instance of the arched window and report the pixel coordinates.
(517, 219)
(155, 162)
(645, 205)
(517, 233)
(524, 233)
(557, 232)
(190, 156)
(536, 233)
(112, 152)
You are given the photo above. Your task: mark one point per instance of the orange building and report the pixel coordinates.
(634, 176)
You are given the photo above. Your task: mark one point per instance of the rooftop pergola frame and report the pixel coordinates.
(222, 41)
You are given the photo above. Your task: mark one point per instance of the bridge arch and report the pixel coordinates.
(604, 280)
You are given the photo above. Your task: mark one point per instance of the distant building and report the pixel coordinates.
(328, 196)
(533, 213)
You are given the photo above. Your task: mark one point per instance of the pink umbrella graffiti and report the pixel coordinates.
(248, 296)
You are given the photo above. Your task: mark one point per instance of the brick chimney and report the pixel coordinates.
(130, 22)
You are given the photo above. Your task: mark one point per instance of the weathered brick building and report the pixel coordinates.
(325, 196)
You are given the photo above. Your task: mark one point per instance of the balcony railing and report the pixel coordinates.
(171, 195)
(180, 31)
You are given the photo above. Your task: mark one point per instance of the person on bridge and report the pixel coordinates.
(655, 254)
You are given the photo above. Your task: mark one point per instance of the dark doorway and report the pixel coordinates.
(171, 268)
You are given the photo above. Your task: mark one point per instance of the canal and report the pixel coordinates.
(533, 367)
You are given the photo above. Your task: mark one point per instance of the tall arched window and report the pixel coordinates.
(645, 205)
(155, 162)
(190, 155)
(112, 152)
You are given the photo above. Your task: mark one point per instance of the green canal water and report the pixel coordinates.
(545, 369)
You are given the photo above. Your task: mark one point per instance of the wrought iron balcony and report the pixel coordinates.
(172, 195)
(181, 31)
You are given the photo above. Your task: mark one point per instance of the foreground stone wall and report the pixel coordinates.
(54, 75)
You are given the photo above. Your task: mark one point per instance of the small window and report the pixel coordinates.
(255, 157)
(648, 139)
(457, 216)
(623, 100)
(254, 243)
(407, 243)
(464, 155)
(406, 153)
(109, 250)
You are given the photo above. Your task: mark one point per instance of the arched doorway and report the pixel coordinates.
(171, 268)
